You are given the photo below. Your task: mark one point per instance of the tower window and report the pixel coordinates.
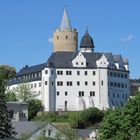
(66, 37)
(102, 83)
(45, 82)
(57, 93)
(74, 38)
(66, 93)
(57, 37)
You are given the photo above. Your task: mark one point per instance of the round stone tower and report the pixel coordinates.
(65, 38)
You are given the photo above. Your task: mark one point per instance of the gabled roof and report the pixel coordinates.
(31, 69)
(64, 59)
(65, 23)
(26, 127)
(117, 58)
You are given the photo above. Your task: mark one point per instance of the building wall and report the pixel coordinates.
(18, 111)
(66, 40)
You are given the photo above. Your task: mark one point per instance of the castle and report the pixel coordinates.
(72, 79)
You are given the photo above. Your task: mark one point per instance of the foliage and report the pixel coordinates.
(51, 117)
(77, 119)
(6, 128)
(86, 118)
(24, 93)
(34, 106)
(10, 96)
(7, 72)
(122, 123)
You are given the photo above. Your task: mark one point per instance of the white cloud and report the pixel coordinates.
(50, 40)
(126, 39)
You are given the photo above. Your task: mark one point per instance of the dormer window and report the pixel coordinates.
(76, 63)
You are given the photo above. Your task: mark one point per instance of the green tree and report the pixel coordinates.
(7, 72)
(86, 118)
(24, 93)
(6, 128)
(10, 96)
(122, 123)
(34, 106)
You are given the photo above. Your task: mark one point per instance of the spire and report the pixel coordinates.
(65, 23)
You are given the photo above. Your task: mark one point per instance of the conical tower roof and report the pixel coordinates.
(65, 22)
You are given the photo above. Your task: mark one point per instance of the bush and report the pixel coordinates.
(86, 118)
(34, 106)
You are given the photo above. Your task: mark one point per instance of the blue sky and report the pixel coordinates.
(27, 26)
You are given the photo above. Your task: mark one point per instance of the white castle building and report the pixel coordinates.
(72, 79)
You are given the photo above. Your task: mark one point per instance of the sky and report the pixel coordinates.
(27, 26)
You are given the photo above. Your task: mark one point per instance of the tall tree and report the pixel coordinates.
(6, 128)
(122, 123)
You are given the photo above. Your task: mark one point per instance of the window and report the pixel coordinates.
(31, 85)
(46, 71)
(92, 93)
(118, 74)
(102, 83)
(121, 75)
(125, 75)
(57, 93)
(74, 38)
(94, 72)
(113, 95)
(57, 37)
(81, 93)
(52, 83)
(59, 83)
(40, 84)
(59, 72)
(93, 83)
(126, 96)
(111, 74)
(122, 85)
(115, 84)
(78, 83)
(118, 84)
(76, 63)
(66, 93)
(66, 37)
(78, 72)
(114, 74)
(52, 72)
(46, 82)
(11, 113)
(86, 83)
(34, 84)
(111, 84)
(82, 63)
(118, 95)
(39, 74)
(69, 83)
(49, 132)
(68, 73)
(125, 85)
(85, 72)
